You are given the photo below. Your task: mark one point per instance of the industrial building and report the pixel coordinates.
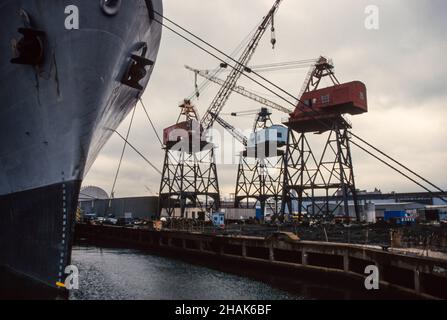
(435, 213)
(189, 213)
(95, 202)
(138, 207)
(147, 208)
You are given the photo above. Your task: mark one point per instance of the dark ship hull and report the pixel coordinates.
(56, 114)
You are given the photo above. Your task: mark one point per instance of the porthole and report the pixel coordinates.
(110, 7)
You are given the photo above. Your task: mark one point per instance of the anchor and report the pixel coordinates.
(136, 71)
(30, 47)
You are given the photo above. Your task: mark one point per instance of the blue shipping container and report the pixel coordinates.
(399, 217)
(394, 215)
(259, 214)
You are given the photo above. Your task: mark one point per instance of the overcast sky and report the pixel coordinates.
(403, 65)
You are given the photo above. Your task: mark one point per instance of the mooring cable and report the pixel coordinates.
(137, 151)
(122, 153)
(397, 162)
(150, 121)
(222, 60)
(226, 56)
(399, 171)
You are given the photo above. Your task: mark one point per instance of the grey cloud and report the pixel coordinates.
(403, 64)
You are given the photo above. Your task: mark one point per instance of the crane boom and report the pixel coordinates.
(231, 129)
(270, 67)
(227, 88)
(242, 91)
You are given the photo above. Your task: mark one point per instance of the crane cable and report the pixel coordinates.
(228, 57)
(215, 72)
(277, 66)
(265, 70)
(208, 74)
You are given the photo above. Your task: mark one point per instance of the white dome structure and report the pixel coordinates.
(89, 193)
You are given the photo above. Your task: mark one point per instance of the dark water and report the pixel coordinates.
(129, 274)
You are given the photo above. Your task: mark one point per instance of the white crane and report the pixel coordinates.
(241, 90)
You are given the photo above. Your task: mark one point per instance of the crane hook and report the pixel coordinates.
(196, 85)
(273, 40)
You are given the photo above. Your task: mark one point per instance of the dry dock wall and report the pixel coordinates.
(414, 275)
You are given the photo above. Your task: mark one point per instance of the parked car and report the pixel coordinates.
(124, 222)
(111, 221)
